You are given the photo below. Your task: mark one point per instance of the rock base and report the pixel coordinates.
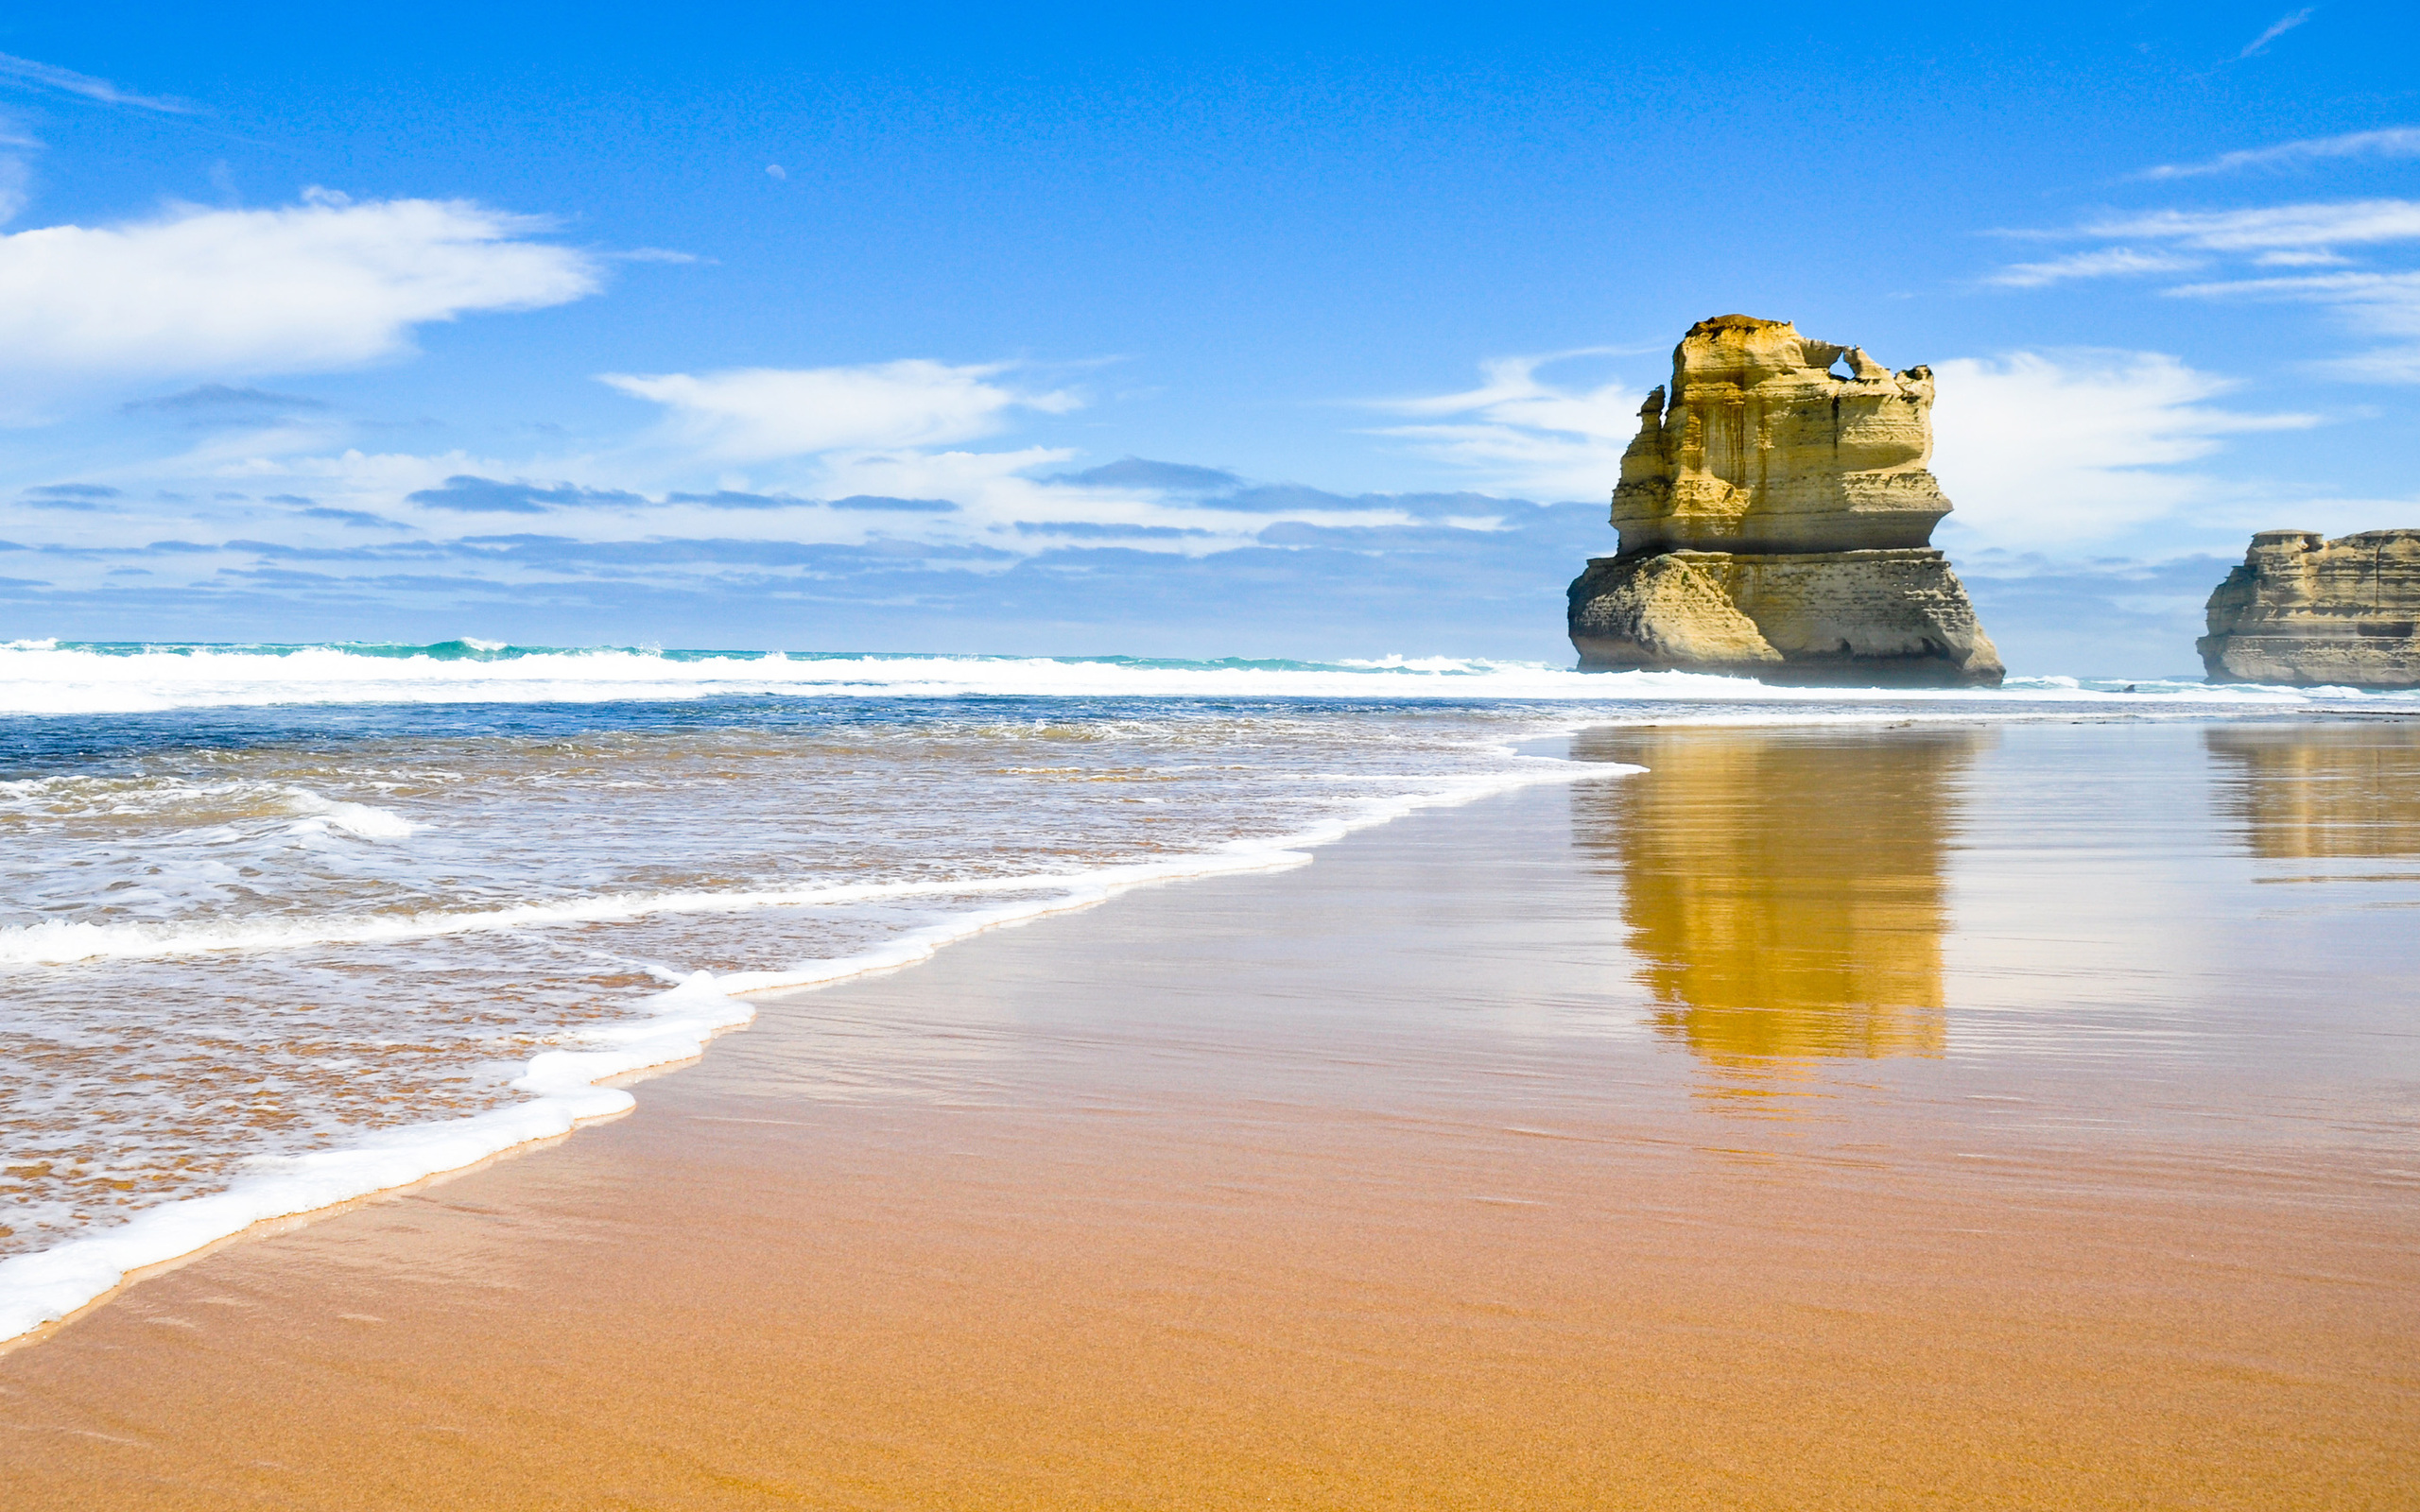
(1881, 618)
(2307, 611)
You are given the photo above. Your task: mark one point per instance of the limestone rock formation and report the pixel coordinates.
(2304, 610)
(1776, 519)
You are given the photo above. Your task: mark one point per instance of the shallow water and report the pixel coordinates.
(1990, 1113)
(263, 908)
(215, 956)
(2169, 932)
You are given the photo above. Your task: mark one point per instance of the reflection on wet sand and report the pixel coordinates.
(1784, 890)
(1328, 1189)
(2320, 793)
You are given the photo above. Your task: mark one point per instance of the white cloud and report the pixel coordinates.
(613, 498)
(216, 293)
(638, 490)
(2394, 297)
(2379, 364)
(2305, 235)
(68, 81)
(2054, 450)
(2109, 262)
(2337, 224)
(2276, 29)
(1518, 432)
(994, 495)
(16, 168)
(2372, 304)
(765, 414)
(2392, 142)
(350, 475)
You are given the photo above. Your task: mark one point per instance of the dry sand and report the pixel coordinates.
(1457, 1170)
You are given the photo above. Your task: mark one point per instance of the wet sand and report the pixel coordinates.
(2025, 1116)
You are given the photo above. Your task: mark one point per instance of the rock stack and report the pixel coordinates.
(2304, 610)
(1775, 523)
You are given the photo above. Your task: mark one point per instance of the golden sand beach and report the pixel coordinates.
(1958, 1114)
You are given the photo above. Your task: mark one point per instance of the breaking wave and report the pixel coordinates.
(53, 678)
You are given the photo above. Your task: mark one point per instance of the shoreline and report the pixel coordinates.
(577, 1088)
(1386, 1181)
(45, 680)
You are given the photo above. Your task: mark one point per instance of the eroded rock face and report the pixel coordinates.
(1763, 449)
(1890, 618)
(2306, 610)
(1776, 519)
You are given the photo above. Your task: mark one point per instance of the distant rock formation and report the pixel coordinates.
(1775, 520)
(2304, 610)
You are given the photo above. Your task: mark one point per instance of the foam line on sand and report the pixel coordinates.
(41, 1288)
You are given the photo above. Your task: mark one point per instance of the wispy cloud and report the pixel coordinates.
(357, 518)
(766, 414)
(2392, 142)
(2339, 223)
(2303, 235)
(2399, 288)
(17, 149)
(911, 497)
(1142, 473)
(1518, 431)
(2105, 262)
(2373, 305)
(2261, 241)
(470, 494)
(2276, 29)
(67, 82)
(221, 398)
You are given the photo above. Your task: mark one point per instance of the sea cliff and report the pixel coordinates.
(1775, 520)
(2304, 610)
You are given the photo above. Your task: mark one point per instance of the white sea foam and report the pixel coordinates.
(44, 678)
(363, 820)
(58, 943)
(49, 1284)
(39, 1288)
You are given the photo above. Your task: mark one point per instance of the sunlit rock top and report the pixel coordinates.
(1762, 448)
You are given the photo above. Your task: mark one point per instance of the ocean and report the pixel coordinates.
(287, 925)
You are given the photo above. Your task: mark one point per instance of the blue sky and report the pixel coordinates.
(1307, 331)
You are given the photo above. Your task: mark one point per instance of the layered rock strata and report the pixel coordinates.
(2304, 610)
(1775, 520)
